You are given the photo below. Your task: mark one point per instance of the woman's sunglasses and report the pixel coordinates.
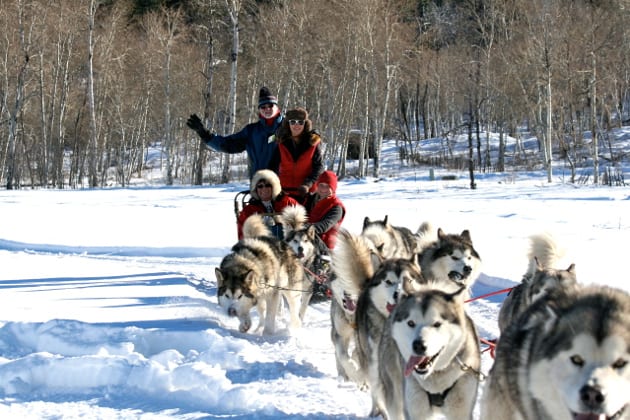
(296, 122)
(259, 186)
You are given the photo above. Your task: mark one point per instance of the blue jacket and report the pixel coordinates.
(254, 138)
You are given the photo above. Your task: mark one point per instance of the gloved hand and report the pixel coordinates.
(302, 190)
(195, 123)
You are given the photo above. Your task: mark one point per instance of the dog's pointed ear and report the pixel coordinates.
(466, 235)
(219, 275)
(366, 222)
(385, 220)
(441, 234)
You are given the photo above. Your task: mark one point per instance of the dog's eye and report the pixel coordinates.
(389, 282)
(620, 364)
(437, 324)
(577, 360)
(411, 323)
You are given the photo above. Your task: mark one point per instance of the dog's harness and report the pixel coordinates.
(437, 400)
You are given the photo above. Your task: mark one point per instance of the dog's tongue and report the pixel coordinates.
(390, 307)
(348, 303)
(413, 362)
(589, 416)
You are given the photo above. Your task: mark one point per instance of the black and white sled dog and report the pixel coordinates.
(259, 270)
(566, 357)
(300, 237)
(393, 279)
(429, 358)
(451, 259)
(309, 248)
(541, 276)
(353, 263)
(390, 241)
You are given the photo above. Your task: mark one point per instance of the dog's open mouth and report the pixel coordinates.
(419, 364)
(390, 307)
(349, 304)
(595, 416)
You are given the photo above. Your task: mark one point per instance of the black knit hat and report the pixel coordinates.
(265, 97)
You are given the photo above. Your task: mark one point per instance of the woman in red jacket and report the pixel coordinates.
(268, 199)
(298, 158)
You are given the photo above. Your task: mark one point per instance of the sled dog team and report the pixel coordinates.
(401, 332)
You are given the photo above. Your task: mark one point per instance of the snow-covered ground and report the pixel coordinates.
(100, 317)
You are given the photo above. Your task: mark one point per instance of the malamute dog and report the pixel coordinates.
(393, 241)
(394, 278)
(541, 276)
(300, 238)
(309, 248)
(451, 259)
(257, 272)
(429, 358)
(353, 264)
(565, 358)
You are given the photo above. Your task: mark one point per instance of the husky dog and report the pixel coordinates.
(353, 264)
(394, 241)
(300, 237)
(259, 269)
(394, 278)
(566, 357)
(309, 248)
(541, 276)
(429, 358)
(451, 259)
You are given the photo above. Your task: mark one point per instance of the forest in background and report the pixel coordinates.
(89, 86)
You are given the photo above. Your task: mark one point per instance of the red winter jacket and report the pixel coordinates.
(320, 211)
(256, 206)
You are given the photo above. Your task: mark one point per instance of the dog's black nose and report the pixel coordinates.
(592, 397)
(467, 269)
(231, 312)
(419, 347)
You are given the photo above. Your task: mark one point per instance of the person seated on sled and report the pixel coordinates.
(325, 213)
(298, 159)
(268, 199)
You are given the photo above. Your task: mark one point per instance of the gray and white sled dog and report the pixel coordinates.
(394, 278)
(259, 270)
(300, 237)
(391, 241)
(566, 357)
(541, 276)
(353, 263)
(429, 358)
(451, 259)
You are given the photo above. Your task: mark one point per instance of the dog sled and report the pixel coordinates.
(319, 274)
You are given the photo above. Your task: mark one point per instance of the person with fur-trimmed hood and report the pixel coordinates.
(298, 159)
(255, 138)
(267, 198)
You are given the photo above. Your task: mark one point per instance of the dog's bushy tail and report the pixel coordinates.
(545, 249)
(352, 262)
(425, 236)
(254, 226)
(293, 218)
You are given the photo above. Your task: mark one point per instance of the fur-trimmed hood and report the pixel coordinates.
(269, 176)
